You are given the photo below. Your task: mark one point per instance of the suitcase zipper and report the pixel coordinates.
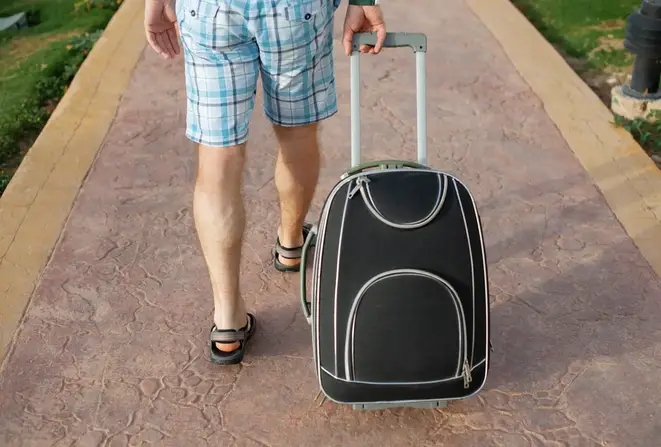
(362, 186)
(467, 374)
(463, 366)
(360, 181)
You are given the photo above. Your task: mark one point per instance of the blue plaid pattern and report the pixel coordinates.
(227, 44)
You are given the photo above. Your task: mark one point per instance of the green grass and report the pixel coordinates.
(37, 64)
(589, 30)
(590, 34)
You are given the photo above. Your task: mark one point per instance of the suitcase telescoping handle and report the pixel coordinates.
(418, 43)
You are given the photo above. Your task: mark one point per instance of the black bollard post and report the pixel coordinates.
(643, 38)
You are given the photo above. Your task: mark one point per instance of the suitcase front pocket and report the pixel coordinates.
(404, 200)
(406, 327)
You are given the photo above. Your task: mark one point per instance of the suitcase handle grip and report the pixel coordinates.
(418, 42)
(305, 304)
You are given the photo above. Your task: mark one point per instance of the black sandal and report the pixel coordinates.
(290, 253)
(230, 336)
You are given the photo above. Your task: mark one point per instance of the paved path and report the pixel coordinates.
(114, 347)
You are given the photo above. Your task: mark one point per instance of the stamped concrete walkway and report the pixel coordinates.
(113, 350)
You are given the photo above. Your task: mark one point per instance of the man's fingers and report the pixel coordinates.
(380, 39)
(151, 39)
(164, 43)
(167, 42)
(172, 35)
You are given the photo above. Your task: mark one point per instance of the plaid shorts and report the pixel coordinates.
(228, 43)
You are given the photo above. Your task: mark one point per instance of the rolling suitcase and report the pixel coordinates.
(399, 303)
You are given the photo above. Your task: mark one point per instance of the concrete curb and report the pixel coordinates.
(38, 200)
(626, 176)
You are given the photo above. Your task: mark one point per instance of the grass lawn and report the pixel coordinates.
(589, 33)
(37, 63)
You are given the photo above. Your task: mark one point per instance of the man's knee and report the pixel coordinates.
(296, 137)
(220, 164)
(296, 132)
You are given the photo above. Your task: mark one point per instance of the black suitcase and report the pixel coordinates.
(399, 293)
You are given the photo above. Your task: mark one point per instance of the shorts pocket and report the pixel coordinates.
(303, 10)
(201, 10)
(197, 20)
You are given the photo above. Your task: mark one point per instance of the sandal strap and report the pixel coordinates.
(288, 253)
(292, 253)
(231, 335)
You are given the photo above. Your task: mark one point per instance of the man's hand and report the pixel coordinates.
(364, 19)
(160, 27)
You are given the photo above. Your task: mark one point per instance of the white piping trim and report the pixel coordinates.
(404, 401)
(478, 363)
(487, 308)
(470, 253)
(351, 322)
(428, 382)
(337, 275)
(440, 200)
(364, 382)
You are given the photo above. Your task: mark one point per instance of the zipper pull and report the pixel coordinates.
(360, 181)
(467, 374)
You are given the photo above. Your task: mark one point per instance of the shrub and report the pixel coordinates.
(28, 117)
(88, 5)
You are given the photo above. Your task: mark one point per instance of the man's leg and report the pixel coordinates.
(296, 175)
(222, 67)
(296, 56)
(220, 222)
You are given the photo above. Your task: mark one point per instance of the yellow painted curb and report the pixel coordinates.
(37, 202)
(627, 177)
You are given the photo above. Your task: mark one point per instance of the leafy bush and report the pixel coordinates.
(647, 131)
(28, 117)
(88, 5)
(4, 181)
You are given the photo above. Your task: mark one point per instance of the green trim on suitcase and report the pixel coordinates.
(384, 406)
(383, 164)
(305, 304)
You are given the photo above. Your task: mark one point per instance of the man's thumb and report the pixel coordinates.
(347, 40)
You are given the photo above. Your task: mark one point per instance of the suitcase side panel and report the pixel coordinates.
(326, 268)
(481, 300)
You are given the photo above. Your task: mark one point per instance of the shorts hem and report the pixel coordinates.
(217, 143)
(299, 123)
